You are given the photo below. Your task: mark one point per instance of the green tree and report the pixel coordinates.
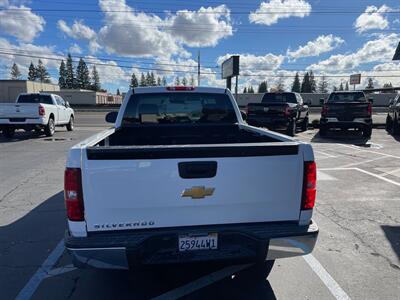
(305, 84)
(134, 81)
(32, 72)
(323, 86)
(177, 81)
(341, 86)
(192, 82)
(159, 83)
(153, 81)
(82, 75)
(184, 81)
(96, 86)
(143, 81)
(346, 88)
(164, 81)
(296, 87)
(70, 76)
(62, 73)
(245, 90)
(250, 90)
(41, 73)
(313, 84)
(15, 73)
(334, 88)
(118, 92)
(370, 84)
(262, 87)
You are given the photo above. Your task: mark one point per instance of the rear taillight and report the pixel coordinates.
(180, 88)
(369, 109)
(42, 111)
(324, 110)
(288, 111)
(309, 185)
(73, 194)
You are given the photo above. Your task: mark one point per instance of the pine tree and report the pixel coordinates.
(313, 84)
(41, 73)
(370, 84)
(62, 76)
(192, 82)
(70, 77)
(341, 86)
(346, 88)
(32, 72)
(164, 81)
(323, 86)
(296, 84)
(82, 75)
(159, 83)
(305, 84)
(134, 81)
(15, 73)
(334, 88)
(148, 79)
(250, 90)
(177, 81)
(118, 92)
(143, 80)
(245, 90)
(152, 79)
(96, 86)
(184, 81)
(263, 87)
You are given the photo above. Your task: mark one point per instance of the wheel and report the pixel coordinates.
(304, 124)
(388, 123)
(70, 125)
(50, 128)
(291, 129)
(323, 130)
(395, 130)
(9, 132)
(367, 132)
(258, 271)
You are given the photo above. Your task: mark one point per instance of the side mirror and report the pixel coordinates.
(111, 117)
(67, 104)
(321, 101)
(244, 115)
(371, 100)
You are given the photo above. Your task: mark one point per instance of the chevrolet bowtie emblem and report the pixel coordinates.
(198, 192)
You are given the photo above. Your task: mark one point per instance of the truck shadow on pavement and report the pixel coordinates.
(344, 137)
(20, 135)
(393, 236)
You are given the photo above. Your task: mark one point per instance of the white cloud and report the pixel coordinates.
(21, 23)
(270, 12)
(253, 62)
(75, 49)
(378, 50)
(109, 71)
(4, 3)
(322, 44)
(372, 18)
(201, 28)
(78, 30)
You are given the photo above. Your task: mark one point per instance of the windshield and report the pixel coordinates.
(347, 97)
(35, 98)
(279, 98)
(172, 108)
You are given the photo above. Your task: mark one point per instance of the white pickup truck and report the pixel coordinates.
(181, 178)
(36, 112)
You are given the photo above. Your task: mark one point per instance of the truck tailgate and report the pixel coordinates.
(347, 111)
(135, 188)
(18, 111)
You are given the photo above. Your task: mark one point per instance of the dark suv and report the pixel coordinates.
(345, 110)
(393, 116)
(279, 111)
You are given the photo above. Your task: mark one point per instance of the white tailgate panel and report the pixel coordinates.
(23, 110)
(247, 189)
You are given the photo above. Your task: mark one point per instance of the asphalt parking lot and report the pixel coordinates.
(358, 211)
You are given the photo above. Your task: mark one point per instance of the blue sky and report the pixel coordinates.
(275, 38)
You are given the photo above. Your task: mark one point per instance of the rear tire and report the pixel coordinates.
(50, 127)
(70, 125)
(388, 123)
(304, 124)
(9, 132)
(395, 130)
(258, 271)
(291, 129)
(367, 132)
(323, 130)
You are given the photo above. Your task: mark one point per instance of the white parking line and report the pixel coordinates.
(326, 278)
(364, 150)
(326, 154)
(41, 273)
(362, 162)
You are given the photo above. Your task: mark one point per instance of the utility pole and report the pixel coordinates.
(198, 68)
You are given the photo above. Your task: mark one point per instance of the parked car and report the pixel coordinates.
(183, 179)
(276, 111)
(393, 116)
(36, 112)
(345, 110)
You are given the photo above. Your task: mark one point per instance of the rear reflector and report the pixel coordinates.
(369, 109)
(42, 111)
(73, 194)
(324, 110)
(287, 111)
(309, 185)
(180, 88)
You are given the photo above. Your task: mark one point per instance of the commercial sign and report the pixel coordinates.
(230, 67)
(355, 79)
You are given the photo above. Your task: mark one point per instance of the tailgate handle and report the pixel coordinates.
(197, 169)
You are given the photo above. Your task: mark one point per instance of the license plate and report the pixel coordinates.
(203, 242)
(17, 119)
